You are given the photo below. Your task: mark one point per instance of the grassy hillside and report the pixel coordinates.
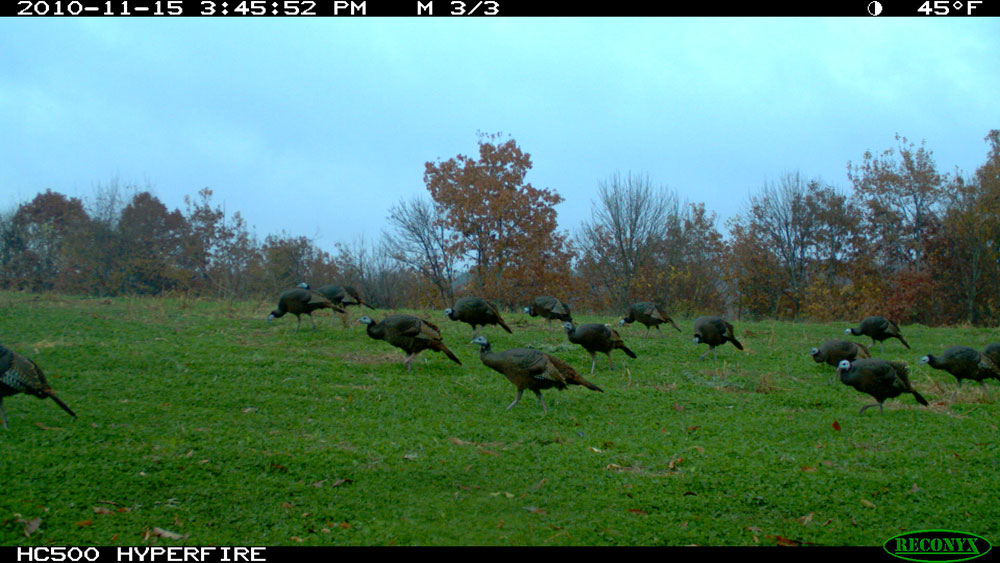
(197, 418)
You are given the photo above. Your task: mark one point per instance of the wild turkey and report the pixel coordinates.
(340, 295)
(990, 359)
(714, 331)
(476, 311)
(962, 362)
(549, 308)
(596, 337)
(649, 314)
(21, 375)
(879, 378)
(410, 334)
(530, 369)
(301, 301)
(832, 351)
(343, 295)
(878, 329)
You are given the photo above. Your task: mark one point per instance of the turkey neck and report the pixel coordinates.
(376, 331)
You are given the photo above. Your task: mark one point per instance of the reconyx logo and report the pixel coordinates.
(937, 546)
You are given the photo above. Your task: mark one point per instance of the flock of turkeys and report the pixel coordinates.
(528, 368)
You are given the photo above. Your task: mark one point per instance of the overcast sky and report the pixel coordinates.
(316, 126)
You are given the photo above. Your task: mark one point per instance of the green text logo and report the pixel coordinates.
(937, 546)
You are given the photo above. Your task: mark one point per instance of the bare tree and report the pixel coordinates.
(628, 222)
(375, 272)
(420, 241)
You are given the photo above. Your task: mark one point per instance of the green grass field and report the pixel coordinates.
(199, 423)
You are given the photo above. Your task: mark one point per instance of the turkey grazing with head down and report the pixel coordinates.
(19, 374)
(832, 351)
(301, 301)
(596, 337)
(549, 308)
(410, 334)
(476, 312)
(527, 368)
(340, 295)
(878, 329)
(962, 362)
(649, 314)
(343, 295)
(714, 331)
(879, 378)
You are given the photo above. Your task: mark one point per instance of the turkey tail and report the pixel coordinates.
(504, 325)
(447, 352)
(736, 343)
(863, 351)
(920, 399)
(673, 324)
(579, 380)
(59, 402)
(987, 363)
(628, 352)
(900, 337)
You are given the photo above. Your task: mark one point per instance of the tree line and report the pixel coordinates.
(906, 241)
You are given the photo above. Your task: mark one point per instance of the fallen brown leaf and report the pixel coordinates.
(30, 525)
(83, 523)
(836, 426)
(166, 534)
(787, 542)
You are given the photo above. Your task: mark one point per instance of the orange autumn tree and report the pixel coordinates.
(502, 226)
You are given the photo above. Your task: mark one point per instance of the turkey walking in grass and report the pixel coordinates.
(878, 329)
(301, 301)
(549, 308)
(833, 351)
(410, 334)
(19, 374)
(595, 338)
(963, 363)
(714, 331)
(476, 312)
(527, 368)
(879, 378)
(649, 314)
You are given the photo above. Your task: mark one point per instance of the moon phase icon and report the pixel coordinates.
(874, 7)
